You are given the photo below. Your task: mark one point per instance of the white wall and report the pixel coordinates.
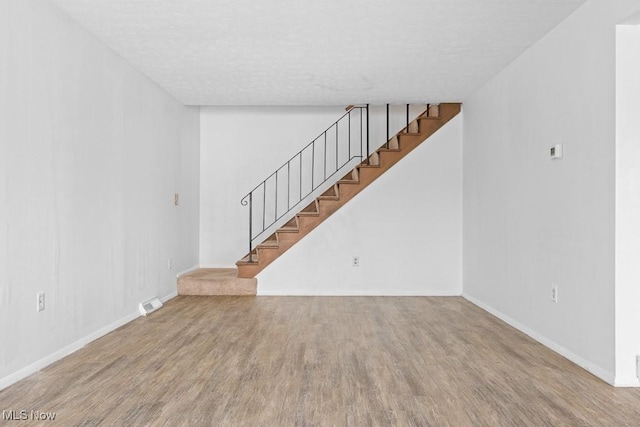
(406, 228)
(188, 187)
(91, 155)
(531, 222)
(243, 145)
(627, 300)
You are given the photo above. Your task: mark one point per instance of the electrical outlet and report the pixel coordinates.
(554, 294)
(355, 261)
(555, 152)
(176, 199)
(40, 306)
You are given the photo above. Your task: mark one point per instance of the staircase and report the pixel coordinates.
(369, 165)
(337, 195)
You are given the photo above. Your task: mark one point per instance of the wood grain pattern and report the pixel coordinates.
(277, 361)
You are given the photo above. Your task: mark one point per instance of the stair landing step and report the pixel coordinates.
(216, 281)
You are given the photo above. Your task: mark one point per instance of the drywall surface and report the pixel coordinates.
(531, 223)
(627, 203)
(405, 228)
(188, 188)
(91, 155)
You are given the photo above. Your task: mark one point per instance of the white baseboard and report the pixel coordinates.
(169, 296)
(188, 270)
(603, 374)
(287, 293)
(208, 265)
(627, 382)
(71, 348)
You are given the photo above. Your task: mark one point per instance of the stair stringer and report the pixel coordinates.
(346, 189)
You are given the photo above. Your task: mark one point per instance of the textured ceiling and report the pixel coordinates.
(321, 52)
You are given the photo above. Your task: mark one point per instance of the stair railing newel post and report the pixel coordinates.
(244, 202)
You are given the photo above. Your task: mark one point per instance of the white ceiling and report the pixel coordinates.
(321, 52)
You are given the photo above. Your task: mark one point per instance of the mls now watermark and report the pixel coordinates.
(24, 415)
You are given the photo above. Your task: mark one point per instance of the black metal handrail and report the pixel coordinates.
(270, 215)
(275, 206)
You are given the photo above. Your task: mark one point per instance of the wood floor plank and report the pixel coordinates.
(317, 361)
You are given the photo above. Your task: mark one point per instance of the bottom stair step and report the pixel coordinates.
(216, 281)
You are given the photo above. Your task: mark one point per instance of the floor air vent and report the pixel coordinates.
(150, 306)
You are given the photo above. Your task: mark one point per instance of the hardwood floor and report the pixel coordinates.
(277, 361)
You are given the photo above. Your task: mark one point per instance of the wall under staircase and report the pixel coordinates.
(405, 226)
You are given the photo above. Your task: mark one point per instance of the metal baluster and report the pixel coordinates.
(387, 125)
(313, 164)
(407, 118)
(361, 133)
(250, 226)
(288, 184)
(336, 146)
(325, 155)
(275, 213)
(349, 134)
(264, 202)
(368, 160)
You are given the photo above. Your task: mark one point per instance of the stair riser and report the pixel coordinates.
(390, 158)
(327, 207)
(221, 289)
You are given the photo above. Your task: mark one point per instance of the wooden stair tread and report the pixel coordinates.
(348, 181)
(370, 165)
(269, 244)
